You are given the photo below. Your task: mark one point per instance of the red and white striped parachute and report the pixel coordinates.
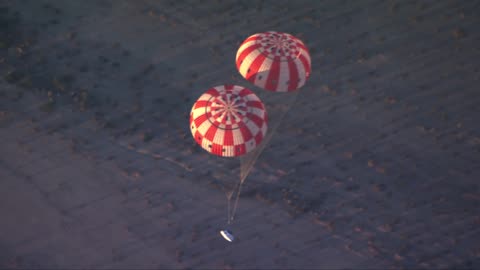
(228, 121)
(274, 61)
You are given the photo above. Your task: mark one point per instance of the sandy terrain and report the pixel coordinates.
(375, 166)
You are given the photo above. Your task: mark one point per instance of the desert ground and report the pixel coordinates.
(376, 165)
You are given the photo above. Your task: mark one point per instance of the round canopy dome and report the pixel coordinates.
(228, 121)
(274, 61)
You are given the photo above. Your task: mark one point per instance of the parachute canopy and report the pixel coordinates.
(274, 61)
(228, 121)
